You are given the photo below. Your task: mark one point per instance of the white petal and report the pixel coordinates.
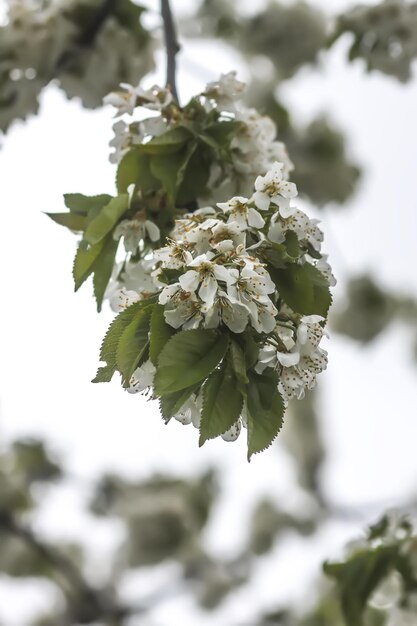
(184, 417)
(255, 219)
(233, 433)
(208, 290)
(189, 281)
(286, 210)
(262, 200)
(302, 333)
(212, 317)
(267, 320)
(288, 190)
(312, 319)
(168, 292)
(201, 258)
(224, 206)
(288, 359)
(235, 317)
(222, 273)
(174, 318)
(259, 183)
(276, 233)
(226, 245)
(153, 230)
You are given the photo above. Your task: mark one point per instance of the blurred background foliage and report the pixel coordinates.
(163, 520)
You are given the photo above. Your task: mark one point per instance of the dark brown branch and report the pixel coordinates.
(171, 45)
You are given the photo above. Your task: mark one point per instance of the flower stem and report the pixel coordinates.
(172, 46)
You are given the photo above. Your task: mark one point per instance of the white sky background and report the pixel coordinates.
(50, 337)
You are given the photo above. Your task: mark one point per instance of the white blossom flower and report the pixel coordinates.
(205, 277)
(309, 334)
(300, 361)
(190, 412)
(142, 378)
(182, 309)
(274, 188)
(233, 433)
(294, 380)
(225, 91)
(305, 228)
(227, 237)
(250, 288)
(174, 256)
(198, 235)
(124, 101)
(139, 276)
(125, 136)
(156, 98)
(154, 126)
(135, 231)
(234, 315)
(241, 213)
(324, 267)
(121, 299)
(254, 146)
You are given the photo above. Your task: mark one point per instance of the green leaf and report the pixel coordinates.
(110, 342)
(265, 411)
(238, 362)
(171, 403)
(222, 403)
(104, 374)
(160, 333)
(103, 268)
(275, 254)
(251, 349)
(133, 343)
(168, 142)
(292, 244)
(303, 288)
(223, 132)
(195, 176)
(135, 169)
(84, 261)
(73, 221)
(78, 203)
(188, 358)
(108, 217)
(170, 170)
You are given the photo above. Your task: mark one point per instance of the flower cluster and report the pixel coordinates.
(217, 262)
(384, 36)
(252, 148)
(388, 560)
(41, 40)
(222, 288)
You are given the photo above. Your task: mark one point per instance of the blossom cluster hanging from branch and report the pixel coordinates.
(222, 289)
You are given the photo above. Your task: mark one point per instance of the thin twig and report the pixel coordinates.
(172, 46)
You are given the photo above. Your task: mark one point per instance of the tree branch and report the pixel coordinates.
(172, 47)
(89, 602)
